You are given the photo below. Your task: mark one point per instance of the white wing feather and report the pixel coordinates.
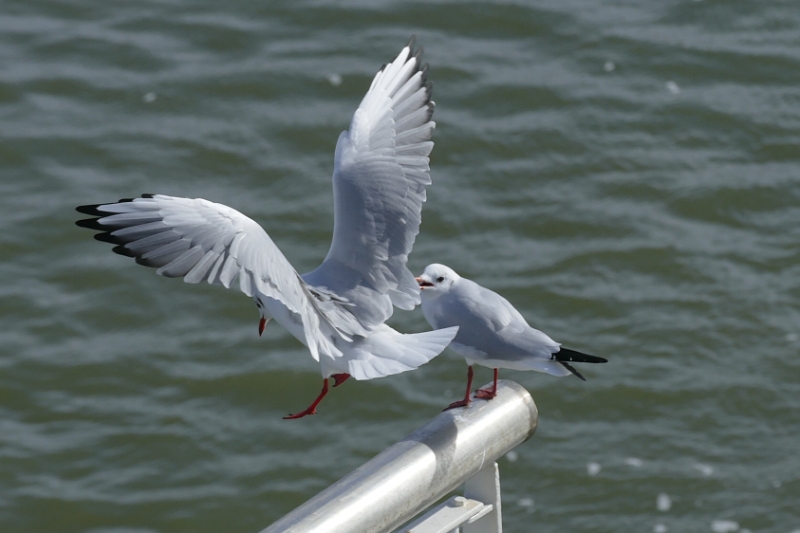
(380, 173)
(205, 241)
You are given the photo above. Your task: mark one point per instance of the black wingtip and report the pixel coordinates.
(121, 250)
(573, 356)
(145, 195)
(425, 70)
(94, 209)
(90, 209)
(90, 223)
(417, 54)
(108, 237)
(142, 261)
(572, 369)
(411, 42)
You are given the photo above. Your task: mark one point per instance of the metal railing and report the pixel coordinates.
(458, 446)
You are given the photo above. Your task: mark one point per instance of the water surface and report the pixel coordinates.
(625, 172)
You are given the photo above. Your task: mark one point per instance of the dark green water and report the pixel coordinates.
(627, 173)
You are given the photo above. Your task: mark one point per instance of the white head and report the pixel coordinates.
(436, 280)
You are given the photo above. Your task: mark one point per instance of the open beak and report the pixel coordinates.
(423, 283)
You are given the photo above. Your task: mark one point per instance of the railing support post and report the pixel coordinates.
(485, 487)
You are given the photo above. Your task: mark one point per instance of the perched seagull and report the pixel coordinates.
(491, 331)
(338, 310)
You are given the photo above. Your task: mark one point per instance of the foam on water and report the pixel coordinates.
(663, 502)
(724, 526)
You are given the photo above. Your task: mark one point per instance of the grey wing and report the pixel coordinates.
(204, 241)
(513, 331)
(380, 173)
(489, 323)
(512, 326)
(492, 311)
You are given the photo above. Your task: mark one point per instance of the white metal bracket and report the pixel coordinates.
(478, 511)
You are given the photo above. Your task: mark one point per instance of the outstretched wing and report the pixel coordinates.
(204, 241)
(379, 178)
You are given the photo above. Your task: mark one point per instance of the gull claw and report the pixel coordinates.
(485, 394)
(309, 411)
(459, 403)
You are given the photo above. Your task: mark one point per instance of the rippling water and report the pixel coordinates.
(626, 172)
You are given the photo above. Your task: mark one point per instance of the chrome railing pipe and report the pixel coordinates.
(411, 475)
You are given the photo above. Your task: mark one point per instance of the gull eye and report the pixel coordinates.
(440, 279)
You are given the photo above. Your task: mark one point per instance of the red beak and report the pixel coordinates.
(261, 325)
(423, 283)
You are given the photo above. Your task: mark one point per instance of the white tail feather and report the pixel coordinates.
(387, 352)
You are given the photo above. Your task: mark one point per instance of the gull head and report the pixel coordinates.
(436, 280)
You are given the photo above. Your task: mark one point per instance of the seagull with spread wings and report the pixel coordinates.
(338, 310)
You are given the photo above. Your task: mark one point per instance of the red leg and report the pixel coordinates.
(338, 379)
(312, 409)
(488, 394)
(466, 400)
